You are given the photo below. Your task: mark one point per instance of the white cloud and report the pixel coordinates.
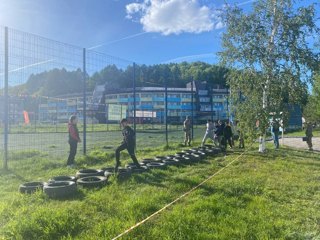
(174, 16)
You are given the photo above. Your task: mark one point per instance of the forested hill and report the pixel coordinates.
(60, 81)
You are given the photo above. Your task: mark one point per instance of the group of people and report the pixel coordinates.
(221, 134)
(275, 130)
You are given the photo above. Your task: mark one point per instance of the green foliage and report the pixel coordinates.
(271, 57)
(312, 109)
(60, 81)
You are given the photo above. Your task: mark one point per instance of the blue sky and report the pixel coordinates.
(144, 31)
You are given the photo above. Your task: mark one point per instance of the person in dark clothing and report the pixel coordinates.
(241, 139)
(219, 131)
(275, 133)
(227, 133)
(127, 143)
(309, 135)
(74, 139)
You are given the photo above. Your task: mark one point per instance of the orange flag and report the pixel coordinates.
(26, 117)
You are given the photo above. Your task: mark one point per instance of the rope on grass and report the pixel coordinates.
(177, 199)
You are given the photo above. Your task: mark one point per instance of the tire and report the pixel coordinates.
(135, 169)
(62, 189)
(31, 187)
(124, 172)
(89, 172)
(108, 169)
(194, 150)
(92, 182)
(201, 154)
(159, 158)
(147, 160)
(171, 162)
(179, 159)
(186, 159)
(156, 165)
(62, 178)
(179, 154)
(196, 157)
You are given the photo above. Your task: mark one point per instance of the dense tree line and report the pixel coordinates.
(61, 81)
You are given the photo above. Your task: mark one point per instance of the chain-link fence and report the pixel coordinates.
(43, 82)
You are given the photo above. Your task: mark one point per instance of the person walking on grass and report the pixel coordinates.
(227, 133)
(187, 131)
(74, 139)
(275, 133)
(241, 138)
(309, 135)
(127, 143)
(209, 132)
(219, 131)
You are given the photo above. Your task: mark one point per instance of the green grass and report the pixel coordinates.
(260, 196)
(55, 145)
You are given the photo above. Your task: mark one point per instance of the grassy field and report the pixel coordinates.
(54, 144)
(260, 196)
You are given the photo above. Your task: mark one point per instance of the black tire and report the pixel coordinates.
(179, 154)
(92, 182)
(201, 154)
(179, 159)
(196, 157)
(171, 162)
(124, 172)
(135, 169)
(156, 165)
(61, 189)
(108, 169)
(31, 187)
(147, 160)
(62, 178)
(89, 172)
(194, 150)
(159, 158)
(186, 159)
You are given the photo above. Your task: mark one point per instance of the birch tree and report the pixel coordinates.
(273, 53)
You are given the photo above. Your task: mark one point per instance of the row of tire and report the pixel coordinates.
(66, 186)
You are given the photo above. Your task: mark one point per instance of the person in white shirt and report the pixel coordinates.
(209, 132)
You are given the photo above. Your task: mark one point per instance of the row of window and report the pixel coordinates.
(149, 95)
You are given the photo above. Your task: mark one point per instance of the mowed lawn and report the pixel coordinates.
(259, 196)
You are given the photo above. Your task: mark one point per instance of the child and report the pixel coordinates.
(73, 139)
(127, 143)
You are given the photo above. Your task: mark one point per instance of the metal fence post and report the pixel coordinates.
(84, 103)
(134, 96)
(6, 99)
(192, 109)
(166, 109)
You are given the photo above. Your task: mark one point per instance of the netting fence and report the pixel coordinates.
(43, 82)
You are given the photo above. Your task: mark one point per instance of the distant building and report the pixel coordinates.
(209, 101)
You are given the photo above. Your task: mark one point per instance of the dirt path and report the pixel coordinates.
(298, 143)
